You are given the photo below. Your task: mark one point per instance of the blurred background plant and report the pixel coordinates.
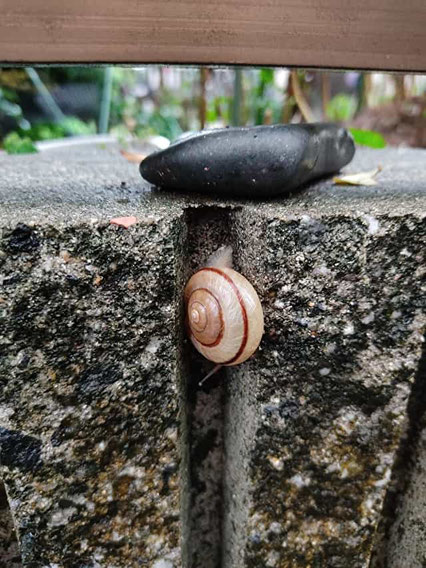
(137, 103)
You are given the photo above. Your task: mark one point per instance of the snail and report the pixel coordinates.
(224, 316)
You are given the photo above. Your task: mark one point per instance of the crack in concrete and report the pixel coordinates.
(204, 415)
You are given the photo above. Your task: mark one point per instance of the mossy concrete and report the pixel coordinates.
(99, 424)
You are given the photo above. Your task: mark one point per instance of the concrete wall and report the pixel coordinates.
(310, 454)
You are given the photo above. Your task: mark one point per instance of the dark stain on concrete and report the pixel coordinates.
(19, 451)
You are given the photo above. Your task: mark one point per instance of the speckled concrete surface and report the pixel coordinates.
(89, 399)
(10, 556)
(92, 378)
(325, 400)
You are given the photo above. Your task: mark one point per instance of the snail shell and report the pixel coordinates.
(224, 315)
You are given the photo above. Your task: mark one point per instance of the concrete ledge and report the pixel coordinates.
(111, 454)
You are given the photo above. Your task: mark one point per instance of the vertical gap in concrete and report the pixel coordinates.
(9, 549)
(241, 408)
(240, 425)
(389, 534)
(207, 230)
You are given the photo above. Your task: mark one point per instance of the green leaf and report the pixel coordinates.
(368, 138)
(267, 76)
(15, 144)
(76, 127)
(341, 107)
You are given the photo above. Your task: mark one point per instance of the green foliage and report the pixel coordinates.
(368, 138)
(71, 126)
(15, 144)
(264, 101)
(22, 140)
(218, 108)
(162, 123)
(342, 107)
(128, 115)
(76, 127)
(9, 108)
(43, 131)
(72, 74)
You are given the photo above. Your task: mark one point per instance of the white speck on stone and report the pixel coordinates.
(321, 271)
(396, 314)
(368, 318)
(385, 480)
(133, 471)
(275, 528)
(90, 506)
(62, 516)
(78, 498)
(276, 463)
(5, 413)
(47, 265)
(373, 224)
(405, 252)
(279, 304)
(369, 505)
(20, 357)
(272, 559)
(324, 371)
(116, 536)
(162, 564)
(305, 220)
(330, 348)
(333, 467)
(172, 434)
(153, 345)
(347, 421)
(349, 329)
(299, 480)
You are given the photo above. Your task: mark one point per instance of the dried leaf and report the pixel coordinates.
(132, 156)
(125, 222)
(363, 178)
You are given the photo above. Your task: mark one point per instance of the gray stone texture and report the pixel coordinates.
(111, 454)
(89, 399)
(344, 322)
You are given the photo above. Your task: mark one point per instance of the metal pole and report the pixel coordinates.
(105, 101)
(238, 95)
(51, 104)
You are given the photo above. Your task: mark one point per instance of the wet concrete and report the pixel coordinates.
(285, 461)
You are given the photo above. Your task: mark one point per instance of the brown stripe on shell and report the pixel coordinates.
(243, 312)
(222, 325)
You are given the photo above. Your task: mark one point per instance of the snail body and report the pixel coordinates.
(223, 312)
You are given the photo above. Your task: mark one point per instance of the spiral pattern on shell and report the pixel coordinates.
(224, 315)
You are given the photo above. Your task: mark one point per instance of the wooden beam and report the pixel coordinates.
(357, 34)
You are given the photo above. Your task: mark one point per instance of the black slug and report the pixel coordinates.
(258, 161)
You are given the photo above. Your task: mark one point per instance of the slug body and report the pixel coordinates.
(223, 313)
(255, 162)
